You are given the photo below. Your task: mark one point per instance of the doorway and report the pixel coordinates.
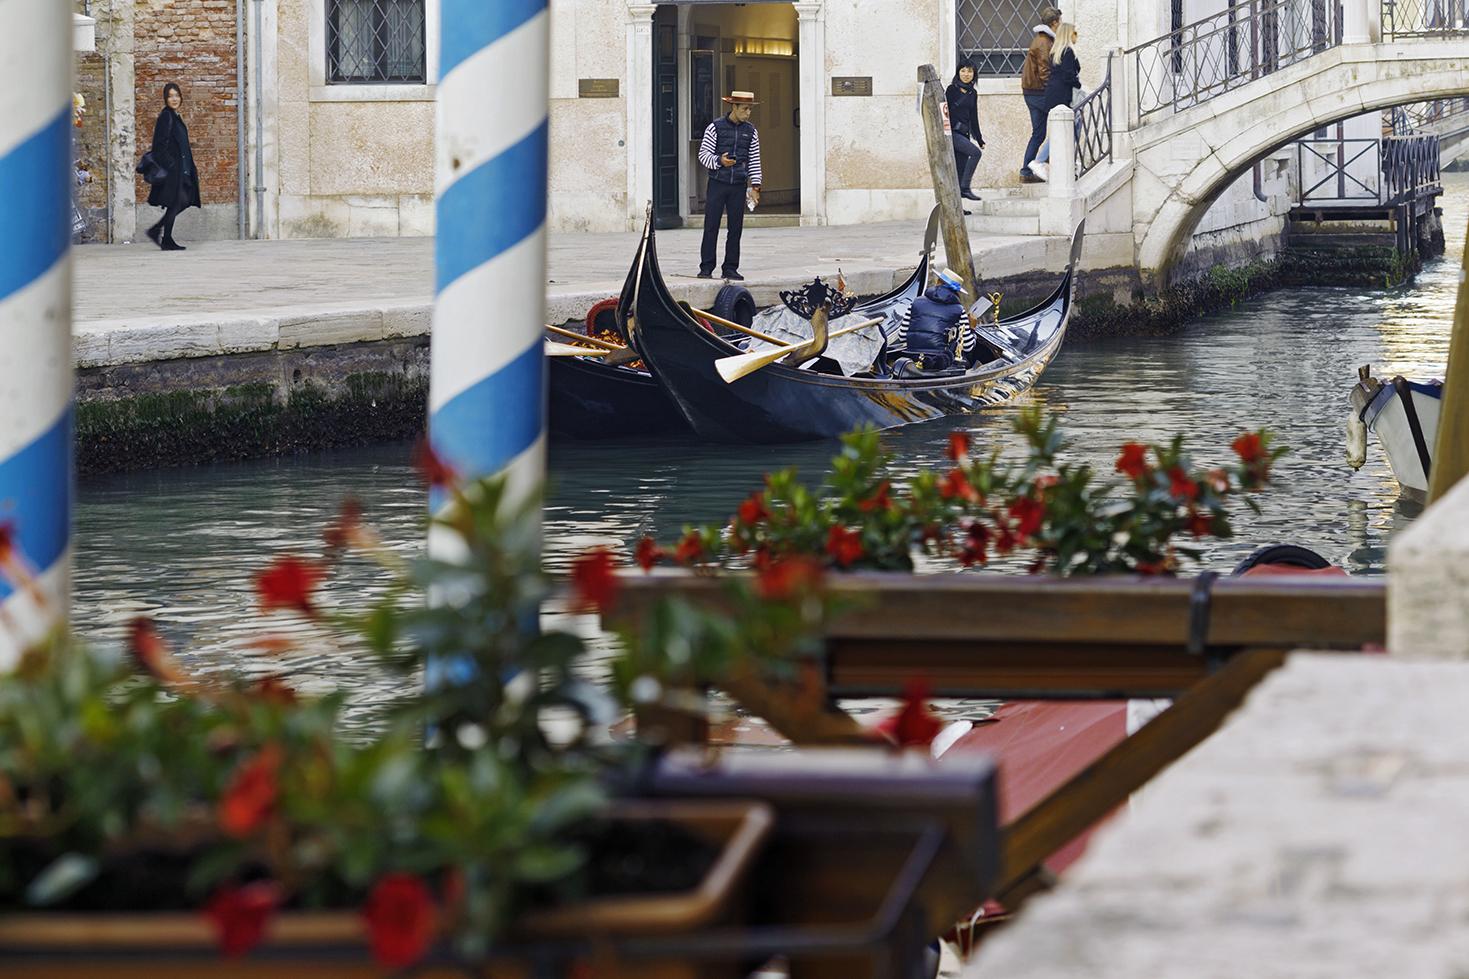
(702, 52)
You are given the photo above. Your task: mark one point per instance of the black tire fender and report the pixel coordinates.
(736, 304)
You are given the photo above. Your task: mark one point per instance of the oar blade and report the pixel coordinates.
(734, 368)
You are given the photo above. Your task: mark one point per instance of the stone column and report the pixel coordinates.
(812, 41)
(639, 102)
(35, 319)
(1061, 131)
(1354, 21)
(122, 120)
(1428, 583)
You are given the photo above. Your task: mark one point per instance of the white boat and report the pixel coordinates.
(1404, 416)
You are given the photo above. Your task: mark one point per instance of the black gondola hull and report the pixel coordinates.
(589, 399)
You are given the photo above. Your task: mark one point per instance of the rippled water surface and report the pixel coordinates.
(183, 544)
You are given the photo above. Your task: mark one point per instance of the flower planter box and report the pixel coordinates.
(172, 945)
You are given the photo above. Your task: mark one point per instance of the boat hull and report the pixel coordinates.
(1387, 414)
(588, 400)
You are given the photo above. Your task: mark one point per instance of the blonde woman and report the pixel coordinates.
(1061, 87)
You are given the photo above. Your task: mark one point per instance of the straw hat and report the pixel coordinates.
(741, 98)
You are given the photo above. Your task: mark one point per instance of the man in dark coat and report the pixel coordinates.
(935, 328)
(730, 151)
(179, 191)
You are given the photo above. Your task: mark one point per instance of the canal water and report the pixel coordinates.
(182, 545)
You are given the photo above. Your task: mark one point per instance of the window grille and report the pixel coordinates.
(375, 41)
(995, 34)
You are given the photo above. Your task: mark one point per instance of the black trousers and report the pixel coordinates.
(966, 158)
(1036, 103)
(727, 200)
(181, 204)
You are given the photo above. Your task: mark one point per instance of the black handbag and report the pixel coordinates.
(153, 172)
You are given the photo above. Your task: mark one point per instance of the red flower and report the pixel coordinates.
(240, 914)
(877, 501)
(593, 583)
(1151, 567)
(1217, 480)
(1179, 484)
(752, 511)
(785, 577)
(1043, 483)
(288, 583)
(648, 554)
(250, 797)
(432, 467)
(956, 485)
(400, 920)
(274, 690)
(151, 652)
(690, 548)
(913, 725)
(958, 446)
(347, 530)
(1133, 462)
(843, 546)
(1250, 447)
(1028, 514)
(1200, 524)
(976, 545)
(1005, 539)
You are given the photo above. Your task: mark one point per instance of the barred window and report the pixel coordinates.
(995, 34)
(375, 41)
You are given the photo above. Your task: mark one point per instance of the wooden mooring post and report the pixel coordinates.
(936, 132)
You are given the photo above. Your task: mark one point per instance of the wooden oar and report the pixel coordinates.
(735, 326)
(583, 338)
(734, 368)
(554, 349)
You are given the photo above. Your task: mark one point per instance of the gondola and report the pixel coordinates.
(592, 399)
(791, 403)
(1404, 416)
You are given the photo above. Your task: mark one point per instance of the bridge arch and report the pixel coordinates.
(1173, 186)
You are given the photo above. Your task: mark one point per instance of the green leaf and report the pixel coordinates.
(544, 864)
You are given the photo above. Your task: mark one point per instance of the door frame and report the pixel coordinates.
(638, 102)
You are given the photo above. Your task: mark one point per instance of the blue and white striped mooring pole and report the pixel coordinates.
(488, 375)
(35, 320)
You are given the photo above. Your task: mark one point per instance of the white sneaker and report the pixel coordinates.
(1042, 170)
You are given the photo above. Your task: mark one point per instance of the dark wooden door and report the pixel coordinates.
(665, 117)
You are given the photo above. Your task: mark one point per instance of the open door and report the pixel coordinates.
(665, 118)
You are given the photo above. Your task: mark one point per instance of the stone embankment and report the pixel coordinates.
(254, 348)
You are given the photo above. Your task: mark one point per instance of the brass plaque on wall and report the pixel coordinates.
(853, 85)
(596, 88)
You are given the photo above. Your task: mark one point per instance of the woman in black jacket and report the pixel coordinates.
(180, 189)
(964, 125)
(1061, 87)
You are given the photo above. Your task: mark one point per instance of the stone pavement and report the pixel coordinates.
(135, 304)
(1319, 833)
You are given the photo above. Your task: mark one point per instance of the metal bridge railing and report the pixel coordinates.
(1207, 58)
(1439, 114)
(1387, 171)
(1424, 18)
(1094, 126)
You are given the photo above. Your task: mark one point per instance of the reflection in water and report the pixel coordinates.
(182, 545)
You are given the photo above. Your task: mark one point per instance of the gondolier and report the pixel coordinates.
(935, 329)
(730, 151)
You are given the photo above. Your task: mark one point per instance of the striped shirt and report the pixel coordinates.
(710, 160)
(898, 340)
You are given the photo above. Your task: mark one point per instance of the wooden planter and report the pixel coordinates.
(171, 945)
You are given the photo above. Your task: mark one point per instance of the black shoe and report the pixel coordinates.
(169, 245)
(704, 275)
(968, 213)
(153, 233)
(733, 276)
(1030, 178)
(968, 194)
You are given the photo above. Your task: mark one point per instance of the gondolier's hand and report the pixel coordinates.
(755, 190)
(725, 160)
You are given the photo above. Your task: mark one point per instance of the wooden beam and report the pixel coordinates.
(1106, 783)
(946, 180)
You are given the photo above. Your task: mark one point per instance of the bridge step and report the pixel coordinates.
(995, 224)
(1007, 207)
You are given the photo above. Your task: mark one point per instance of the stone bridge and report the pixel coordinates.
(1184, 124)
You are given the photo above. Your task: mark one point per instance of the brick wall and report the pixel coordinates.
(91, 144)
(191, 42)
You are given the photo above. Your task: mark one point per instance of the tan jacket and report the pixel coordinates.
(1037, 64)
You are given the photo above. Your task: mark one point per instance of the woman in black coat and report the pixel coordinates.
(1061, 87)
(180, 189)
(964, 125)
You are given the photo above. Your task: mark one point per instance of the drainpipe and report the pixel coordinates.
(242, 194)
(107, 124)
(259, 119)
(1259, 182)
